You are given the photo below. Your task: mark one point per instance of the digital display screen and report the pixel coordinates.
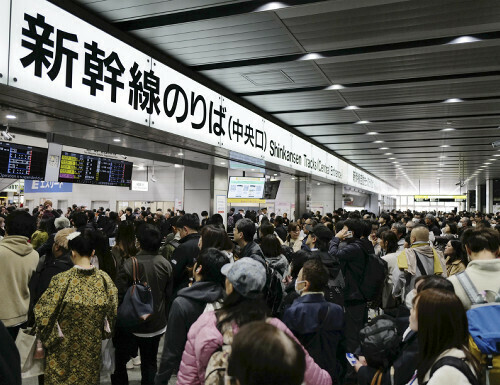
(271, 189)
(18, 161)
(246, 188)
(88, 169)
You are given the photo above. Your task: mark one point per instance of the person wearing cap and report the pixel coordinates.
(245, 280)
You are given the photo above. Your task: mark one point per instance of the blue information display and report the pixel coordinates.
(18, 161)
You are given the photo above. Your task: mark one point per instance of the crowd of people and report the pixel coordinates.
(251, 299)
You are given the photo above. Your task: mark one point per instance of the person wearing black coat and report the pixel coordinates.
(10, 362)
(185, 255)
(352, 258)
(207, 290)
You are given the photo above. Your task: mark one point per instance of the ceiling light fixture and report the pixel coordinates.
(453, 100)
(464, 39)
(117, 140)
(372, 133)
(448, 129)
(487, 163)
(445, 146)
(275, 174)
(379, 141)
(312, 56)
(272, 5)
(388, 153)
(222, 163)
(180, 154)
(351, 108)
(362, 122)
(335, 87)
(10, 116)
(383, 148)
(392, 158)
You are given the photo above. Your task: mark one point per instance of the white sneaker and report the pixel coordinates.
(130, 364)
(137, 360)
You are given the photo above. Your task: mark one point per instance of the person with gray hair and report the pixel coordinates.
(45, 250)
(431, 223)
(399, 229)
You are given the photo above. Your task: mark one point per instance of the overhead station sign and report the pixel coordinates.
(440, 198)
(4, 39)
(60, 56)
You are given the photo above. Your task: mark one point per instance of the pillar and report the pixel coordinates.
(197, 190)
(470, 197)
(218, 192)
(489, 196)
(478, 198)
(338, 201)
(302, 196)
(373, 203)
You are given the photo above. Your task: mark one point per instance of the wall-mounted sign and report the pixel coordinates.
(139, 185)
(60, 56)
(35, 186)
(440, 198)
(4, 39)
(15, 187)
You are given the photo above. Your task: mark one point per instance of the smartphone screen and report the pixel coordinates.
(351, 358)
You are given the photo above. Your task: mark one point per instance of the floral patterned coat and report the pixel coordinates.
(73, 316)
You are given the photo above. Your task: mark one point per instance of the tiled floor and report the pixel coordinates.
(134, 375)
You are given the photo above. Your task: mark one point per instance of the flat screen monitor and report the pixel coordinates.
(271, 189)
(18, 161)
(89, 169)
(246, 188)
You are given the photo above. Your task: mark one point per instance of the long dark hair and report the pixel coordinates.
(125, 236)
(392, 241)
(458, 252)
(442, 325)
(241, 310)
(215, 236)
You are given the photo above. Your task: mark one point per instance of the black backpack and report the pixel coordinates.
(334, 292)
(458, 364)
(372, 284)
(380, 342)
(273, 292)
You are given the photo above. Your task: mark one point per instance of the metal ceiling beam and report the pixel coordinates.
(345, 51)
(214, 12)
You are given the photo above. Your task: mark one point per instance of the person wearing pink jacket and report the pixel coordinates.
(245, 280)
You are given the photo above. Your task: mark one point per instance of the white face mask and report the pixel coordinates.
(459, 224)
(298, 291)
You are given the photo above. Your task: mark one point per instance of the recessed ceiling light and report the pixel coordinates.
(312, 56)
(180, 154)
(177, 165)
(388, 153)
(351, 108)
(379, 141)
(383, 148)
(222, 162)
(440, 170)
(275, 174)
(442, 157)
(117, 140)
(395, 162)
(445, 146)
(464, 39)
(293, 178)
(335, 87)
(141, 168)
(496, 155)
(10, 116)
(453, 100)
(372, 133)
(252, 169)
(492, 159)
(392, 158)
(319, 183)
(362, 122)
(487, 163)
(448, 129)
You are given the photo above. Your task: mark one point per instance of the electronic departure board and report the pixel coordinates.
(18, 161)
(88, 169)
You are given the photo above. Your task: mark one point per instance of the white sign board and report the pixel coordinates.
(139, 185)
(4, 39)
(58, 55)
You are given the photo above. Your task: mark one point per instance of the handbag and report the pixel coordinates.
(137, 305)
(26, 343)
(107, 358)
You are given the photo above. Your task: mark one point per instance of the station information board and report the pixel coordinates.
(246, 188)
(440, 198)
(18, 161)
(88, 169)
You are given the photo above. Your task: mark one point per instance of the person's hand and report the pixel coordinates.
(342, 234)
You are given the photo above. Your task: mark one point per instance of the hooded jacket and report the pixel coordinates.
(204, 339)
(186, 308)
(18, 262)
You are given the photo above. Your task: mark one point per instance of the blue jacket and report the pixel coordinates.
(318, 325)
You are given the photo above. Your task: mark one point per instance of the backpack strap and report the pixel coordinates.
(420, 265)
(377, 378)
(469, 288)
(458, 364)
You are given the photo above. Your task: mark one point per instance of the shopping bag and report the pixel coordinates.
(107, 357)
(26, 345)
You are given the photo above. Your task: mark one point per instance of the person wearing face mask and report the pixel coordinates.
(317, 323)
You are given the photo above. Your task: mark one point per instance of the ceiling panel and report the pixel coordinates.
(394, 22)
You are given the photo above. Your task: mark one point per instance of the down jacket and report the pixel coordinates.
(204, 339)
